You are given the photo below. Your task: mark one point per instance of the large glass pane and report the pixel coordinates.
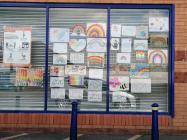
(139, 59)
(22, 36)
(77, 58)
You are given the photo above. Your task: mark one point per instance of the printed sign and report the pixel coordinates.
(141, 85)
(57, 93)
(75, 94)
(94, 96)
(17, 46)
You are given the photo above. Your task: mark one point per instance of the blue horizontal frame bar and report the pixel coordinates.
(108, 7)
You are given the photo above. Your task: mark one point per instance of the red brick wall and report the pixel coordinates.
(123, 123)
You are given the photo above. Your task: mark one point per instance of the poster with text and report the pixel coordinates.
(17, 46)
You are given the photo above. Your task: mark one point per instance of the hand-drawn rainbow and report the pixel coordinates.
(96, 60)
(76, 80)
(158, 41)
(96, 30)
(78, 30)
(139, 70)
(157, 56)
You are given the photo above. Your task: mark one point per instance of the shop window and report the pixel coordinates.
(139, 56)
(22, 36)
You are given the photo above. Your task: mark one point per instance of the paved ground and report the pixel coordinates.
(57, 136)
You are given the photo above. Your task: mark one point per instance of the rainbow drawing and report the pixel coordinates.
(139, 70)
(76, 80)
(78, 30)
(96, 30)
(95, 60)
(158, 56)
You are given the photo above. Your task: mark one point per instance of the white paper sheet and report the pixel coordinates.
(123, 58)
(77, 45)
(77, 58)
(60, 47)
(128, 30)
(96, 73)
(76, 94)
(141, 85)
(94, 96)
(17, 46)
(142, 32)
(126, 44)
(59, 34)
(57, 71)
(56, 81)
(115, 43)
(96, 30)
(141, 45)
(95, 85)
(96, 45)
(60, 59)
(57, 93)
(75, 70)
(119, 83)
(158, 24)
(116, 30)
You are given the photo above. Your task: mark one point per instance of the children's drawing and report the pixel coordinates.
(75, 70)
(140, 56)
(116, 30)
(21, 77)
(142, 32)
(57, 71)
(119, 96)
(158, 24)
(157, 56)
(129, 31)
(124, 58)
(158, 40)
(141, 85)
(56, 81)
(77, 44)
(94, 96)
(96, 60)
(126, 44)
(57, 93)
(119, 69)
(60, 59)
(96, 73)
(78, 30)
(76, 80)
(95, 85)
(59, 35)
(96, 30)
(115, 43)
(77, 58)
(119, 83)
(35, 77)
(60, 47)
(76, 94)
(140, 45)
(96, 45)
(139, 70)
(29, 77)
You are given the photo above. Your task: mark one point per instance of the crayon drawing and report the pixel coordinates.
(157, 56)
(96, 30)
(119, 83)
(139, 70)
(78, 30)
(77, 45)
(95, 60)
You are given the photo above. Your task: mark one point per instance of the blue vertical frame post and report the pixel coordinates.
(172, 58)
(46, 59)
(73, 127)
(108, 60)
(155, 129)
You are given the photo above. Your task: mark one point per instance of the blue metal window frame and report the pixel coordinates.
(108, 7)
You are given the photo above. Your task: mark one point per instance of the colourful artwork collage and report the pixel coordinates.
(135, 50)
(78, 61)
